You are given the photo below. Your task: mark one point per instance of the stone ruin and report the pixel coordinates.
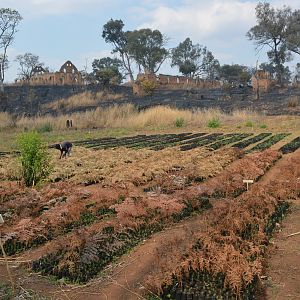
(261, 81)
(67, 75)
(163, 81)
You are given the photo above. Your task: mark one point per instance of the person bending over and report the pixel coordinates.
(65, 148)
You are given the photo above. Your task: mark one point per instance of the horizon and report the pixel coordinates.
(61, 30)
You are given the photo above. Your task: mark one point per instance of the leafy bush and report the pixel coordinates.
(263, 126)
(47, 127)
(214, 123)
(34, 158)
(249, 124)
(179, 122)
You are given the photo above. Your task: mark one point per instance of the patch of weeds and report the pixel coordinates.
(121, 198)
(179, 122)
(214, 123)
(104, 211)
(6, 292)
(86, 218)
(47, 127)
(249, 124)
(263, 126)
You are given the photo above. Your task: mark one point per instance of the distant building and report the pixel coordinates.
(67, 75)
(163, 81)
(261, 81)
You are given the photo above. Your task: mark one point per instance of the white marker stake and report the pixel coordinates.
(247, 181)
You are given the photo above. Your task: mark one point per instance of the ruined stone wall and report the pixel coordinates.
(261, 80)
(67, 75)
(164, 81)
(57, 78)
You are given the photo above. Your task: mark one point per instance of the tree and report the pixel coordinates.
(297, 72)
(271, 69)
(293, 37)
(146, 47)
(235, 73)
(268, 67)
(107, 70)
(28, 62)
(9, 20)
(194, 60)
(272, 30)
(113, 34)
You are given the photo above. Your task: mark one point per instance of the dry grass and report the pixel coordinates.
(156, 118)
(83, 99)
(127, 116)
(293, 101)
(6, 120)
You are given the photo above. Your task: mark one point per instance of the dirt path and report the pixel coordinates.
(284, 264)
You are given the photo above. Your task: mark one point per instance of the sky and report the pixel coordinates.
(60, 30)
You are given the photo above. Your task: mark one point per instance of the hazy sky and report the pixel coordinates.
(58, 30)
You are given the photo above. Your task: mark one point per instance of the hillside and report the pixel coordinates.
(37, 99)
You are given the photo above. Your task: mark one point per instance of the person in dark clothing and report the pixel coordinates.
(65, 148)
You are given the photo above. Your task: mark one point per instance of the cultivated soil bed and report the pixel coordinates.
(140, 223)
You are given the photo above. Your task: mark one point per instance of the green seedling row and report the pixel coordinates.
(232, 139)
(292, 146)
(269, 142)
(253, 140)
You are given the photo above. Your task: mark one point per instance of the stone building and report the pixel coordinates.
(163, 81)
(67, 75)
(261, 81)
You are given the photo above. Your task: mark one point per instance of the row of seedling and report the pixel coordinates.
(217, 145)
(253, 140)
(188, 141)
(269, 142)
(291, 146)
(101, 248)
(207, 140)
(203, 284)
(89, 214)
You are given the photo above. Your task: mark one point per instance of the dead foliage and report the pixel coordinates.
(235, 237)
(135, 218)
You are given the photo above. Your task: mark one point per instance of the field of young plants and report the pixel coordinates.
(164, 216)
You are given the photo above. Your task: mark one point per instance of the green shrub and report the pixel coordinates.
(214, 123)
(179, 122)
(34, 158)
(47, 127)
(263, 126)
(249, 124)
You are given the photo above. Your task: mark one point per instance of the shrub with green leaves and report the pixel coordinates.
(34, 158)
(249, 124)
(179, 122)
(214, 123)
